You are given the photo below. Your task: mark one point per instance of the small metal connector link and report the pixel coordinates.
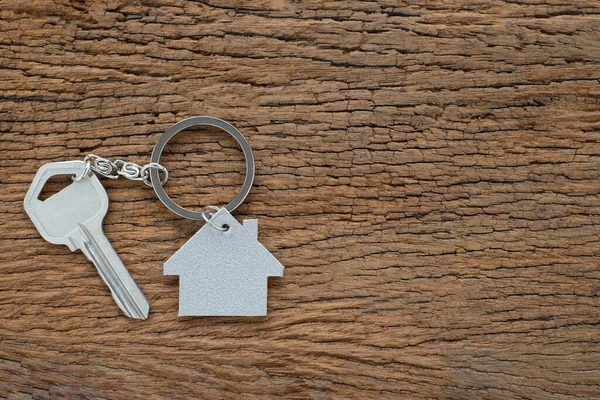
(126, 169)
(207, 215)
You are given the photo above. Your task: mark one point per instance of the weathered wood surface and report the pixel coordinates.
(427, 171)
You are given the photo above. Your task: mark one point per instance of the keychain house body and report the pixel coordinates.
(227, 270)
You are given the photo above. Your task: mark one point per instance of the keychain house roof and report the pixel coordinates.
(223, 273)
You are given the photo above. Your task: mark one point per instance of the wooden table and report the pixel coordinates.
(427, 171)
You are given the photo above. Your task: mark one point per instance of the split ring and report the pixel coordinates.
(84, 173)
(201, 121)
(207, 215)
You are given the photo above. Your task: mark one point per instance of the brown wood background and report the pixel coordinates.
(427, 171)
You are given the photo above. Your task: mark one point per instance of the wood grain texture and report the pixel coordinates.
(427, 171)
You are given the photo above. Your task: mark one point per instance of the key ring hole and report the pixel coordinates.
(55, 184)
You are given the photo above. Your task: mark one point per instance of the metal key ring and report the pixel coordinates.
(201, 121)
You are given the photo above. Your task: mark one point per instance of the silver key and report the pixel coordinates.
(73, 217)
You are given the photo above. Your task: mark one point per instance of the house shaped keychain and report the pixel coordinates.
(223, 269)
(226, 269)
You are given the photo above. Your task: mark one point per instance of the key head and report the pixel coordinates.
(59, 216)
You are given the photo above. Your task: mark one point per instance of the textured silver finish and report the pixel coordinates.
(73, 217)
(199, 121)
(224, 272)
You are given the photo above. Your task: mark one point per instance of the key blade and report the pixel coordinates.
(73, 217)
(123, 288)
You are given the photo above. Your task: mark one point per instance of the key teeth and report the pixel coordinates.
(123, 288)
(136, 311)
(141, 316)
(133, 311)
(143, 313)
(72, 245)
